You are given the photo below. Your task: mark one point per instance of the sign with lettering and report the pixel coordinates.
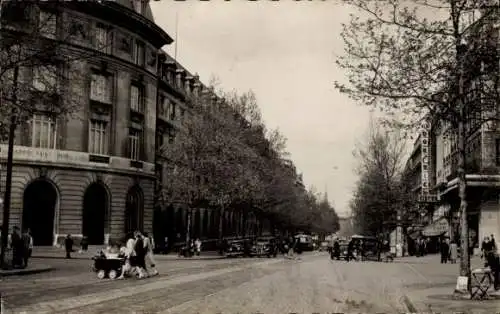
(65, 157)
(424, 138)
(437, 228)
(462, 283)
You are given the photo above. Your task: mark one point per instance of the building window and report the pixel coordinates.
(78, 30)
(43, 132)
(47, 24)
(45, 78)
(124, 43)
(102, 38)
(100, 88)
(171, 111)
(151, 58)
(139, 53)
(98, 137)
(171, 135)
(161, 106)
(136, 98)
(134, 139)
(497, 151)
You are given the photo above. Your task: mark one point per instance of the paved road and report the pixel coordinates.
(313, 284)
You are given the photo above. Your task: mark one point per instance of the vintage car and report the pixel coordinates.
(235, 248)
(369, 246)
(264, 247)
(304, 243)
(324, 246)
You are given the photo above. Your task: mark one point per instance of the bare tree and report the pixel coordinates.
(425, 58)
(377, 199)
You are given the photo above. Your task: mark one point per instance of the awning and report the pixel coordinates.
(437, 228)
(415, 234)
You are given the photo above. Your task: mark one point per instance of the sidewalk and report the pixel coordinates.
(49, 252)
(433, 291)
(33, 268)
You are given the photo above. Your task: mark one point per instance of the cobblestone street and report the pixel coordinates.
(312, 284)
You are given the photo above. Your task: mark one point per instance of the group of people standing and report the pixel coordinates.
(138, 253)
(20, 245)
(421, 247)
(448, 251)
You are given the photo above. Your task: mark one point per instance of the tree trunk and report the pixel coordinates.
(462, 194)
(8, 179)
(461, 54)
(221, 223)
(188, 226)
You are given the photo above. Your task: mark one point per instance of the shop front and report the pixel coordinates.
(434, 232)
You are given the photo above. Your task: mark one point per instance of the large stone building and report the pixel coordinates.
(92, 173)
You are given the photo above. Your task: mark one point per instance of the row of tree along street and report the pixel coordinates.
(424, 59)
(223, 158)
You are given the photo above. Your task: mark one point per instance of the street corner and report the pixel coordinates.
(34, 269)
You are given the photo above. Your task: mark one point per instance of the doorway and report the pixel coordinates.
(39, 208)
(95, 213)
(134, 210)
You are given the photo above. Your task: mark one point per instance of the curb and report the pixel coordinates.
(410, 307)
(21, 272)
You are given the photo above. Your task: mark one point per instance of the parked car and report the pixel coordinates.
(264, 247)
(235, 248)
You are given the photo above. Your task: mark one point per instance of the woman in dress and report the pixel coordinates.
(129, 253)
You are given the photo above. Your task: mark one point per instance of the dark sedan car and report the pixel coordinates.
(264, 247)
(235, 248)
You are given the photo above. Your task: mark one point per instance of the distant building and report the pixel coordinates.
(346, 226)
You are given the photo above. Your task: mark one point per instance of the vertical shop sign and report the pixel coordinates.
(424, 135)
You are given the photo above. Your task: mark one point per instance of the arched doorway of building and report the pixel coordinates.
(39, 208)
(134, 210)
(95, 213)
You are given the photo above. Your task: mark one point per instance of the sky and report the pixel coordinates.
(285, 52)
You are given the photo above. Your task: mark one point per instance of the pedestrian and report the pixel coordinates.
(68, 244)
(197, 245)
(149, 246)
(453, 252)
(27, 247)
(140, 253)
(335, 253)
(493, 242)
(17, 245)
(491, 259)
(84, 244)
(130, 256)
(445, 250)
(350, 249)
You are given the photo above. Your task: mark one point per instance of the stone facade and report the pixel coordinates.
(68, 187)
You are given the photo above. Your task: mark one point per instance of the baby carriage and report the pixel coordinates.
(109, 265)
